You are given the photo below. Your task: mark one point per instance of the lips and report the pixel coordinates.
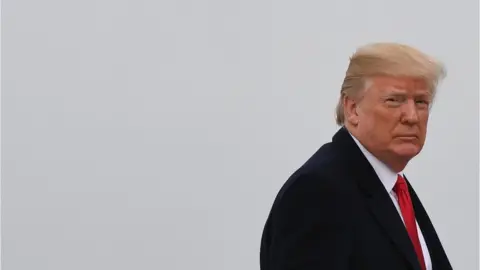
(407, 137)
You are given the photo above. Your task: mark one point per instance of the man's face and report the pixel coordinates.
(392, 118)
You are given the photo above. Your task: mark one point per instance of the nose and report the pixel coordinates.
(410, 113)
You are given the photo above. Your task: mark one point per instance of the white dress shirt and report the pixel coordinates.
(388, 179)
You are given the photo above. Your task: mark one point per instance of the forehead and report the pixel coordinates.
(384, 83)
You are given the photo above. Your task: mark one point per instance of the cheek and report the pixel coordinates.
(423, 123)
(381, 125)
(424, 116)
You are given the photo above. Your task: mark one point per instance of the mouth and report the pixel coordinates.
(407, 137)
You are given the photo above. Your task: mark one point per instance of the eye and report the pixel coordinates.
(422, 102)
(393, 100)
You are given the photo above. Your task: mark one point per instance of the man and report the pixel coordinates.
(350, 205)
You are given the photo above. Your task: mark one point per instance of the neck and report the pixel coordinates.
(396, 165)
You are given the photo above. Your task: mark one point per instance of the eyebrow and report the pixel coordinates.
(401, 92)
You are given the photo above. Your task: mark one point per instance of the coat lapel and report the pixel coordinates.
(385, 213)
(378, 200)
(437, 253)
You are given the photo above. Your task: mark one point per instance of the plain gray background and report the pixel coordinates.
(155, 134)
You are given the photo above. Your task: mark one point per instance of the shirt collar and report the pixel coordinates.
(384, 173)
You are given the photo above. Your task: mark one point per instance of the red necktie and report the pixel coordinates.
(408, 214)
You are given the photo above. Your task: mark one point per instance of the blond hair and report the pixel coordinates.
(387, 59)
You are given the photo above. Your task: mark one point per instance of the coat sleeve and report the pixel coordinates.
(311, 226)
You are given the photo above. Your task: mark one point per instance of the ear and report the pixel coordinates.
(350, 106)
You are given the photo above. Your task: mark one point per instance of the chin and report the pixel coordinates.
(407, 150)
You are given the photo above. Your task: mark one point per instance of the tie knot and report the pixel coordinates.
(400, 185)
